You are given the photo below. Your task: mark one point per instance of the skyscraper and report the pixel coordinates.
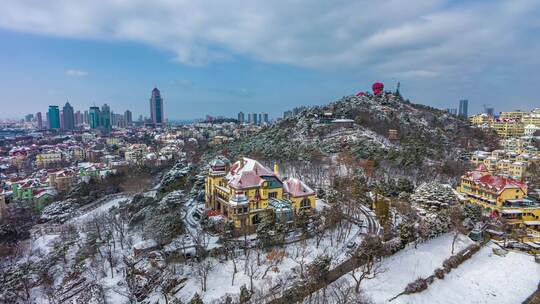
(86, 118)
(68, 117)
(39, 120)
(106, 118)
(463, 108)
(241, 117)
(128, 118)
(54, 117)
(94, 118)
(156, 108)
(254, 118)
(264, 118)
(78, 118)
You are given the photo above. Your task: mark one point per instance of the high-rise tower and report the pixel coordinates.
(54, 117)
(463, 108)
(156, 108)
(94, 117)
(106, 118)
(69, 119)
(127, 118)
(39, 120)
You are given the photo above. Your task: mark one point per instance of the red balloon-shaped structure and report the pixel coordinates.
(377, 87)
(360, 94)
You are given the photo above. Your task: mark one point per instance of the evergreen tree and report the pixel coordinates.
(196, 299)
(265, 227)
(245, 294)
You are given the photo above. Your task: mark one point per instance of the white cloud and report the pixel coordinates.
(415, 38)
(76, 73)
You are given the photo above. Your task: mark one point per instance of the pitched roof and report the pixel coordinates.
(247, 173)
(482, 177)
(296, 187)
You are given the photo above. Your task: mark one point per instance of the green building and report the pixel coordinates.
(54, 117)
(94, 117)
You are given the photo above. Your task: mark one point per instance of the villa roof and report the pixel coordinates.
(296, 187)
(247, 173)
(482, 177)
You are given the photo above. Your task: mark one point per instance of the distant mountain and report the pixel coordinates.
(424, 141)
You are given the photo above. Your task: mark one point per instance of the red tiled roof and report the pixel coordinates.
(247, 173)
(482, 177)
(296, 187)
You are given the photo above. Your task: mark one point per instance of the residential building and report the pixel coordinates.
(501, 196)
(481, 119)
(512, 115)
(62, 180)
(530, 129)
(508, 127)
(247, 188)
(48, 159)
(531, 119)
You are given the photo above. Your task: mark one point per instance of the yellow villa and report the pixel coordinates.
(247, 188)
(502, 196)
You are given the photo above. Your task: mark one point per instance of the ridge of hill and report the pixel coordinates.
(430, 143)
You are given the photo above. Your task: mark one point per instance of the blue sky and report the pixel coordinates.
(215, 57)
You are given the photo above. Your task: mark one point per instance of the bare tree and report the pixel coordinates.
(456, 223)
(203, 269)
(119, 224)
(273, 259)
(109, 251)
(342, 293)
(252, 271)
(300, 255)
(367, 256)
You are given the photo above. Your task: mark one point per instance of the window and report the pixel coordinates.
(305, 203)
(272, 194)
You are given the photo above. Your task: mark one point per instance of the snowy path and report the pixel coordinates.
(104, 206)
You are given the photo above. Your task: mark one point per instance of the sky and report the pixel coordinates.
(222, 57)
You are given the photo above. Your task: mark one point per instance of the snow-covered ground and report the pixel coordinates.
(485, 278)
(220, 277)
(101, 209)
(408, 265)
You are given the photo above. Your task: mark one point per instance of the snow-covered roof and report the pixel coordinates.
(296, 187)
(247, 173)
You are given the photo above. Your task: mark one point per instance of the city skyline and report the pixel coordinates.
(225, 63)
